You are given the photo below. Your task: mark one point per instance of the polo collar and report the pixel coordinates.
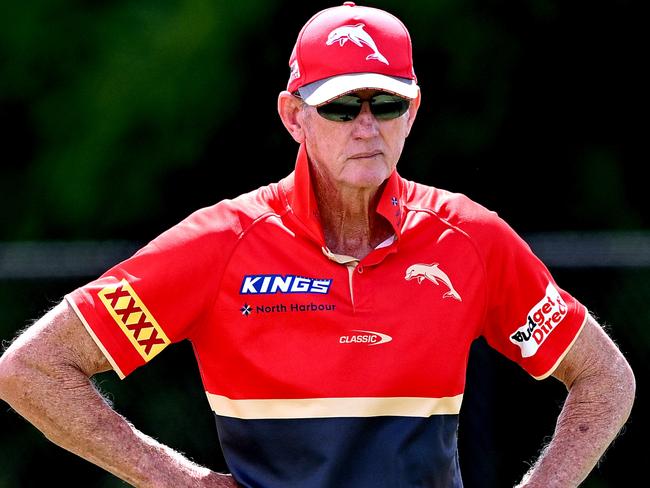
(300, 197)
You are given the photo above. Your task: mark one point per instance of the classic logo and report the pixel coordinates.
(541, 321)
(368, 337)
(134, 319)
(356, 35)
(433, 273)
(269, 284)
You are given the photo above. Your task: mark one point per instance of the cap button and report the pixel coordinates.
(350, 4)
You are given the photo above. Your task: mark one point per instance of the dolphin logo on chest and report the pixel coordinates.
(433, 273)
(358, 36)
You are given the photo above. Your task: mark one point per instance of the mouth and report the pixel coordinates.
(366, 155)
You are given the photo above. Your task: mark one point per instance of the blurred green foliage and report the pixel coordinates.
(119, 118)
(128, 111)
(113, 96)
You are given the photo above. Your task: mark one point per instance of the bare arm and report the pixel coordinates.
(601, 392)
(44, 376)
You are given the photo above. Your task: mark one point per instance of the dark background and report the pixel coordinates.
(120, 118)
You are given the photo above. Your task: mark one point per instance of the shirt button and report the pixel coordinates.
(359, 269)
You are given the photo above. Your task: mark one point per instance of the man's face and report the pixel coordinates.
(360, 153)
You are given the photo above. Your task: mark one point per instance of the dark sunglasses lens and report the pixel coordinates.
(347, 107)
(387, 107)
(342, 109)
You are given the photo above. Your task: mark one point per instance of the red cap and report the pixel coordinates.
(348, 48)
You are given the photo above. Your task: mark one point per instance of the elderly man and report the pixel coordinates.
(331, 313)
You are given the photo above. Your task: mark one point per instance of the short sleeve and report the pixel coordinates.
(529, 318)
(154, 298)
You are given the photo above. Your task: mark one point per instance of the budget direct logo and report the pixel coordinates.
(268, 284)
(368, 337)
(541, 321)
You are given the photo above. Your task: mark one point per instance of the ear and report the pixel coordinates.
(413, 111)
(289, 108)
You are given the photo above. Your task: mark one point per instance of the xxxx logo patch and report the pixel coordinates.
(134, 319)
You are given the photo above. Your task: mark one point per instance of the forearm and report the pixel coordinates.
(66, 407)
(593, 414)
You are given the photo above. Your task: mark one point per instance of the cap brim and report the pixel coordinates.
(323, 91)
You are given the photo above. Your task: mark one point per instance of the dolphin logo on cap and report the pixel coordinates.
(358, 36)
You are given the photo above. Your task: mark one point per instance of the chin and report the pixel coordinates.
(367, 179)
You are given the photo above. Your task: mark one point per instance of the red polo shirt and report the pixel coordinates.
(295, 343)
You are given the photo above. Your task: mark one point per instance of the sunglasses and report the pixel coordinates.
(384, 106)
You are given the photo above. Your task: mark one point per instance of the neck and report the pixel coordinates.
(351, 224)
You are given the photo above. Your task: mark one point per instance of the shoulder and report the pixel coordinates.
(224, 221)
(488, 232)
(457, 209)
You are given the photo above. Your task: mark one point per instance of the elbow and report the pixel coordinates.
(18, 375)
(627, 386)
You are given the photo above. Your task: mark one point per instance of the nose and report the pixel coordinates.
(365, 125)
